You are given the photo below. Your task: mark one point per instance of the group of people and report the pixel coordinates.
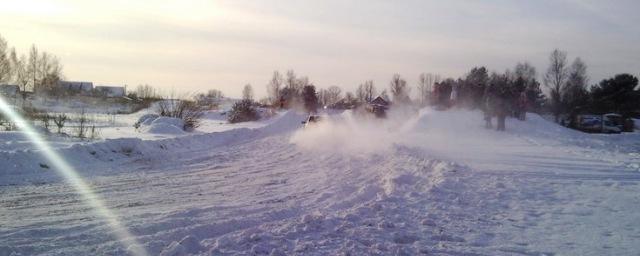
(500, 106)
(496, 101)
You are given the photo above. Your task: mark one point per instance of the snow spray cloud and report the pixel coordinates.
(74, 179)
(355, 134)
(438, 133)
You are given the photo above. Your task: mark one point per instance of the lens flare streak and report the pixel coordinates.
(72, 177)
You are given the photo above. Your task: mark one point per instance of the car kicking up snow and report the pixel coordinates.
(312, 120)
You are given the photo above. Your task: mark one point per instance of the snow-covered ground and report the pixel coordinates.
(431, 183)
(116, 126)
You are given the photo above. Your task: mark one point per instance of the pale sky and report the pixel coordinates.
(193, 46)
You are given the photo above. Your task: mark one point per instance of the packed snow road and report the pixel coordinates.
(438, 184)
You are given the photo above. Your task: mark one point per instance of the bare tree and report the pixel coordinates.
(33, 68)
(21, 76)
(273, 88)
(399, 89)
(50, 72)
(60, 120)
(210, 100)
(291, 80)
(574, 93)
(360, 94)
(323, 97)
(247, 92)
(422, 88)
(5, 62)
(215, 94)
(145, 91)
(333, 94)
(302, 82)
(42, 66)
(555, 78)
(366, 91)
(370, 90)
(425, 85)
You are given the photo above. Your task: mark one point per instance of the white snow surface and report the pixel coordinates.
(163, 125)
(433, 183)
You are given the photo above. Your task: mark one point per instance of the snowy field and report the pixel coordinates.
(115, 126)
(432, 183)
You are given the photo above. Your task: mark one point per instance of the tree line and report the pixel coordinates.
(568, 89)
(567, 85)
(37, 71)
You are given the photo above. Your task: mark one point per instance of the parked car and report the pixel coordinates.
(598, 123)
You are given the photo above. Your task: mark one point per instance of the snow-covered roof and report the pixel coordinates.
(111, 91)
(379, 101)
(9, 89)
(76, 85)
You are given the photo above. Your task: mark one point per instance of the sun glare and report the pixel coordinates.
(32, 8)
(73, 178)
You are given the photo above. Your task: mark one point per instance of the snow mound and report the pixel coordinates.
(26, 166)
(146, 119)
(163, 125)
(284, 122)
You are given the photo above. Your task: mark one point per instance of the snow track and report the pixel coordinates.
(438, 188)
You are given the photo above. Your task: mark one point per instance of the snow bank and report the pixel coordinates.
(152, 123)
(532, 193)
(165, 125)
(146, 119)
(28, 166)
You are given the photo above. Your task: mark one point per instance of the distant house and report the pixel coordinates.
(379, 101)
(111, 91)
(343, 104)
(378, 106)
(9, 90)
(83, 88)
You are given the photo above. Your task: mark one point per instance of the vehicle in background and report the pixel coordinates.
(378, 107)
(625, 125)
(608, 123)
(311, 120)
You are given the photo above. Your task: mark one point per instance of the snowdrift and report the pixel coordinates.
(28, 166)
(416, 183)
(165, 125)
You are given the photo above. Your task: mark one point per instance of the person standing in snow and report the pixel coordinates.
(488, 107)
(501, 113)
(436, 94)
(453, 97)
(522, 106)
(487, 112)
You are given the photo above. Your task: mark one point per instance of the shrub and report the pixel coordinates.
(60, 120)
(243, 111)
(46, 120)
(81, 129)
(186, 110)
(94, 132)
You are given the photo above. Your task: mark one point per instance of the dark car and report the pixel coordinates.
(312, 119)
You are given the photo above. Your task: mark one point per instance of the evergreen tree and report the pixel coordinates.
(310, 98)
(618, 94)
